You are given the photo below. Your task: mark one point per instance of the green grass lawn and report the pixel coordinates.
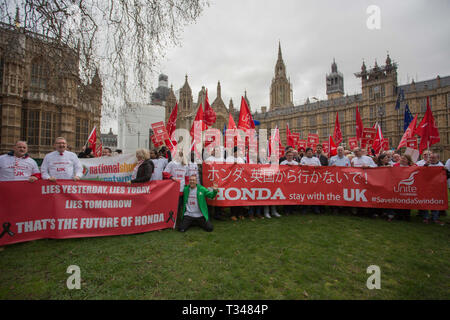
(297, 257)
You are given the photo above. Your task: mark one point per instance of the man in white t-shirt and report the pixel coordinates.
(17, 165)
(215, 156)
(425, 156)
(433, 161)
(160, 164)
(236, 157)
(340, 160)
(61, 164)
(309, 159)
(289, 159)
(195, 209)
(362, 161)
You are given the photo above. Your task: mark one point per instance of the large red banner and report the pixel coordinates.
(69, 209)
(398, 187)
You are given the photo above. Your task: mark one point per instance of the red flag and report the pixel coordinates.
(172, 122)
(359, 125)
(245, 117)
(199, 118)
(353, 142)
(231, 124)
(378, 141)
(332, 147)
(289, 137)
(409, 133)
(93, 139)
(98, 151)
(427, 130)
(273, 140)
(210, 114)
(337, 135)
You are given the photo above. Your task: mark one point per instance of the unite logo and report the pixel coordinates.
(405, 187)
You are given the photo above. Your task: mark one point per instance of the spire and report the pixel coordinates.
(280, 68)
(219, 90)
(388, 59)
(96, 81)
(279, 51)
(231, 106)
(17, 18)
(334, 66)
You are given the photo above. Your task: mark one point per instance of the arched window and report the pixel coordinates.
(39, 75)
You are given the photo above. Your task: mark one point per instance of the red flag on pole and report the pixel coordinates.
(359, 125)
(199, 119)
(245, 117)
(92, 139)
(172, 122)
(337, 135)
(378, 141)
(210, 114)
(427, 130)
(231, 124)
(409, 133)
(98, 151)
(332, 147)
(289, 137)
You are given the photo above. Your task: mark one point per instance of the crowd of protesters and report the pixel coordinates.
(160, 164)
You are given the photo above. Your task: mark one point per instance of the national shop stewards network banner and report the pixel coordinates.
(388, 187)
(69, 209)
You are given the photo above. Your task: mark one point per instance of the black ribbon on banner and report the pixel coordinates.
(6, 227)
(170, 217)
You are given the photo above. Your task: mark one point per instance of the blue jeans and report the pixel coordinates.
(434, 213)
(255, 210)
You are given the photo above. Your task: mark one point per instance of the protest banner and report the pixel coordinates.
(69, 209)
(115, 169)
(384, 187)
(352, 143)
(160, 132)
(302, 144)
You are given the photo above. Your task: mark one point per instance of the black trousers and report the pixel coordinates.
(190, 221)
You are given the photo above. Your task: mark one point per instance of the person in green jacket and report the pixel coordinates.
(195, 208)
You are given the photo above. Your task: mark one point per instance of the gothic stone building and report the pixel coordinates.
(187, 108)
(41, 99)
(376, 103)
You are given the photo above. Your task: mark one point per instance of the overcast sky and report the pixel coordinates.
(236, 42)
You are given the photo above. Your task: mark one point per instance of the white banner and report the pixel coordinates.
(114, 169)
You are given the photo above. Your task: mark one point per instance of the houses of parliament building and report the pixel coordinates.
(376, 103)
(41, 94)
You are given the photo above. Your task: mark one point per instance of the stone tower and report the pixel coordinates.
(185, 106)
(335, 83)
(280, 89)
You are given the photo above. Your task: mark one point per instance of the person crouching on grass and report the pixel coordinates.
(195, 209)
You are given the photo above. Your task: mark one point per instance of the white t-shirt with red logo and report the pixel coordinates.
(178, 171)
(160, 165)
(13, 168)
(61, 166)
(192, 208)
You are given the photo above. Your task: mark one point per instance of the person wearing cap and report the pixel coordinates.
(61, 164)
(17, 165)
